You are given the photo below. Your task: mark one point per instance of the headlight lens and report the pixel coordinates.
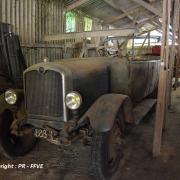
(73, 100)
(10, 97)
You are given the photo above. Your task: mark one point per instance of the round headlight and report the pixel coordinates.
(73, 100)
(10, 97)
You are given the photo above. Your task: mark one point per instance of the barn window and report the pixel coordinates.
(87, 24)
(70, 22)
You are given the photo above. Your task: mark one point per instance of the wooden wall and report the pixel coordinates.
(31, 19)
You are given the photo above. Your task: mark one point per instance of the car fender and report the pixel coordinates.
(104, 111)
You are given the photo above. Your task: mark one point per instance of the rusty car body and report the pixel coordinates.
(89, 99)
(114, 95)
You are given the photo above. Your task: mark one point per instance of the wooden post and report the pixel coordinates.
(149, 41)
(178, 58)
(141, 48)
(133, 48)
(84, 51)
(162, 89)
(175, 26)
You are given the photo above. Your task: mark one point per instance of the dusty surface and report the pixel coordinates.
(137, 164)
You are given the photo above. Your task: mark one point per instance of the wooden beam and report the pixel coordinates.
(76, 4)
(156, 23)
(141, 48)
(142, 23)
(123, 15)
(99, 33)
(126, 13)
(161, 109)
(41, 45)
(112, 4)
(148, 7)
(133, 48)
(114, 19)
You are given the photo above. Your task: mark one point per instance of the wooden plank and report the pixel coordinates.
(162, 88)
(17, 17)
(76, 4)
(33, 16)
(21, 13)
(149, 7)
(56, 17)
(99, 33)
(141, 48)
(13, 15)
(8, 11)
(149, 42)
(4, 10)
(1, 11)
(52, 17)
(29, 19)
(160, 112)
(133, 48)
(151, 1)
(143, 22)
(26, 23)
(40, 22)
(40, 45)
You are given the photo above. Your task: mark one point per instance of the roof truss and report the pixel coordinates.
(148, 7)
(76, 4)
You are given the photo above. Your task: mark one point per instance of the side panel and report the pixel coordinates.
(143, 78)
(91, 85)
(137, 79)
(120, 73)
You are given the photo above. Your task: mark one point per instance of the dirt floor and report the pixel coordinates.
(137, 164)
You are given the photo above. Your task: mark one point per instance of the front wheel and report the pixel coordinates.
(13, 144)
(106, 153)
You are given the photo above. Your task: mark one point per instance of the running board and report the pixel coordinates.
(142, 109)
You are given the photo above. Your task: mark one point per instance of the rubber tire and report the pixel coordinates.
(99, 150)
(7, 148)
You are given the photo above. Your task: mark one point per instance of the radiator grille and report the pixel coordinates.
(44, 93)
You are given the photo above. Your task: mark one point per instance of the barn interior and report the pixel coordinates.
(117, 60)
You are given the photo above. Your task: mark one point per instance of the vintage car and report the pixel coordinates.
(92, 99)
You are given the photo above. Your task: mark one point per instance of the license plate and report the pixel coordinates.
(42, 133)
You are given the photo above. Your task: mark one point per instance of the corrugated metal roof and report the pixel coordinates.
(124, 13)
